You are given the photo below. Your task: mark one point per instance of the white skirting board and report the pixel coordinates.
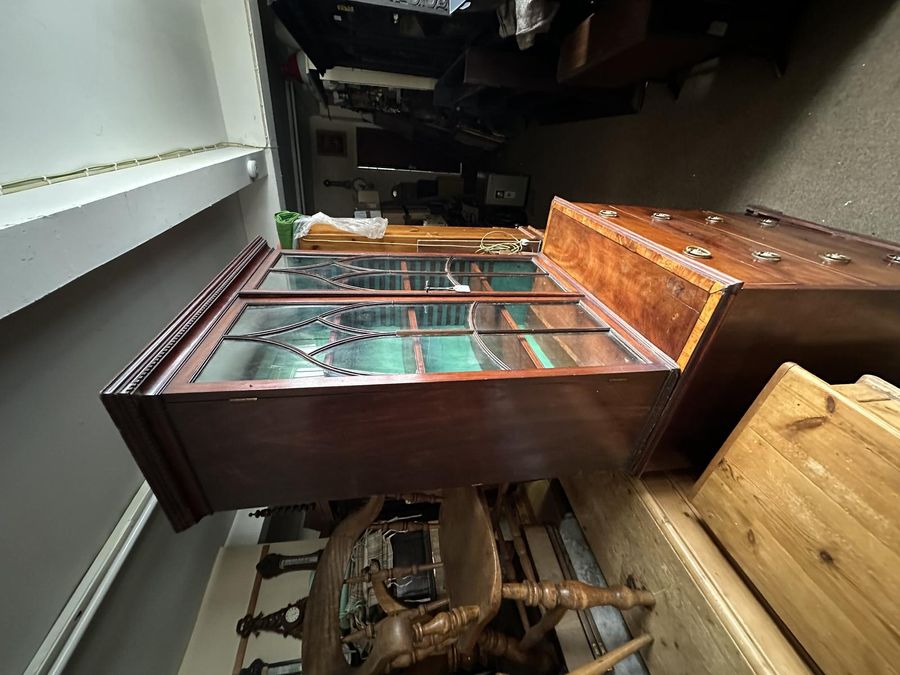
(56, 649)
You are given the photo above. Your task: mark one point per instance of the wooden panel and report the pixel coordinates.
(706, 620)
(417, 238)
(731, 254)
(666, 297)
(471, 562)
(289, 446)
(611, 29)
(875, 395)
(808, 241)
(805, 495)
(838, 333)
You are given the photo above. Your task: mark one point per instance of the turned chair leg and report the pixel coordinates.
(559, 597)
(613, 656)
(572, 594)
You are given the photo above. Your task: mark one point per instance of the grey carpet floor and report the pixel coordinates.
(821, 142)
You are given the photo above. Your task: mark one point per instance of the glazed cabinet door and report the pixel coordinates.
(261, 398)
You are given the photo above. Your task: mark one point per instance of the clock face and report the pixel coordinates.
(291, 614)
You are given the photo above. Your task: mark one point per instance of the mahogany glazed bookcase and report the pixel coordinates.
(299, 375)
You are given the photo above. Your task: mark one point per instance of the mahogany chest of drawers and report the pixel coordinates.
(636, 337)
(730, 297)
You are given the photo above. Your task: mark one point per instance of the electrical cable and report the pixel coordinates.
(86, 172)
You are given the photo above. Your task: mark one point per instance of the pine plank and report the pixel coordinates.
(706, 619)
(805, 497)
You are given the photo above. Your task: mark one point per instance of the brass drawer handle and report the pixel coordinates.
(608, 213)
(659, 215)
(697, 252)
(767, 256)
(835, 258)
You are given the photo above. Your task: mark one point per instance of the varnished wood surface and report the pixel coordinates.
(650, 289)
(840, 333)
(805, 496)
(471, 563)
(706, 620)
(731, 254)
(612, 28)
(729, 336)
(416, 238)
(734, 239)
(274, 447)
(809, 240)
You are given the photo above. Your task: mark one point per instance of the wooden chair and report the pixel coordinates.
(455, 628)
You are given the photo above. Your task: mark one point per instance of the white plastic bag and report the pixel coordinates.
(373, 228)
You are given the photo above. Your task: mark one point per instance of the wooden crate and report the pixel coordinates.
(805, 497)
(644, 532)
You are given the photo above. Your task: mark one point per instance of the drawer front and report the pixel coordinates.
(667, 297)
(868, 264)
(729, 252)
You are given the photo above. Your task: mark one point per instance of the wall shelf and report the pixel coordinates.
(52, 235)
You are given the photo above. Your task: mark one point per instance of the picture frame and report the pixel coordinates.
(331, 143)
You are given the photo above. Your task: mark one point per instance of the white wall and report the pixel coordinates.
(85, 83)
(97, 81)
(65, 473)
(234, 37)
(336, 201)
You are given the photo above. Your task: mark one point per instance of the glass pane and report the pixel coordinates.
(394, 282)
(382, 354)
(570, 350)
(454, 354)
(514, 350)
(382, 318)
(513, 284)
(310, 337)
(287, 281)
(386, 264)
(443, 315)
(531, 316)
(375, 282)
(257, 318)
(321, 267)
(245, 360)
(301, 261)
(491, 266)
